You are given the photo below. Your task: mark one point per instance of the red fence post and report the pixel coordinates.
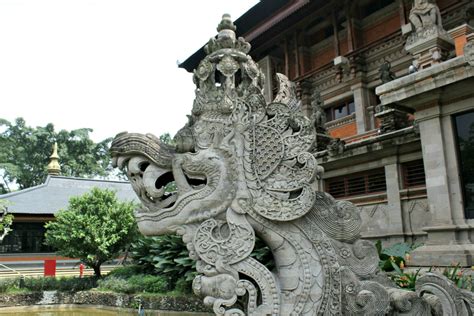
(50, 268)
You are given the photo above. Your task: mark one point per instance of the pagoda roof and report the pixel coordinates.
(54, 194)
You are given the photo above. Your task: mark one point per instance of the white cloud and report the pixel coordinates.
(105, 64)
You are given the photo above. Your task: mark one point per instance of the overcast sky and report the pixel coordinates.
(110, 65)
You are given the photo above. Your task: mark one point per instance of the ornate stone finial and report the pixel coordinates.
(54, 168)
(226, 23)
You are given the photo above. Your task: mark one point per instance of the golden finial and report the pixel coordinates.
(54, 168)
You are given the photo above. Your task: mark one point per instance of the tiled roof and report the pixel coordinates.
(54, 194)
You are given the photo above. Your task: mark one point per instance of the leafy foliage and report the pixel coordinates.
(262, 253)
(125, 272)
(135, 284)
(406, 280)
(459, 276)
(164, 255)
(167, 256)
(167, 139)
(94, 228)
(26, 150)
(394, 254)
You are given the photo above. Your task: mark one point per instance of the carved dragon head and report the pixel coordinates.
(171, 184)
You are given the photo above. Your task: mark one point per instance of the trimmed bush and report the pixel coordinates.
(9, 283)
(63, 284)
(149, 284)
(126, 272)
(184, 286)
(115, 284)
(135, 284)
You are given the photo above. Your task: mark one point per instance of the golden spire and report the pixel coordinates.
(54, 168)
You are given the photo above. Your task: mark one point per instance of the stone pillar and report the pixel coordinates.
(435, 169)
(266, 67)
(395, 219)
(361, 102)
(448, 239)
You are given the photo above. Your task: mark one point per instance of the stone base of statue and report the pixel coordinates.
(391, 119)
(429, 46)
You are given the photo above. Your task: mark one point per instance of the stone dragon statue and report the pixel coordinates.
(244, 168)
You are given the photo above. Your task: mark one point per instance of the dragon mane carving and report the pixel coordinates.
(244, 168)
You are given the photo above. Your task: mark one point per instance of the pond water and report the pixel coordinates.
(85, 311)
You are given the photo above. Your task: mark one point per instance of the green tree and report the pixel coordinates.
(167, 139)
(25, 153)
(5, 220)
(95, 228)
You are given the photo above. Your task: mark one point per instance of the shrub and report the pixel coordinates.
(8, 284)
(115, 284)
(149, 284)
(38, 284)
(126, 272)
(461, 277)
(166, 256)
(394, 254)
(63, 284)
(183, 286)
(135, 284)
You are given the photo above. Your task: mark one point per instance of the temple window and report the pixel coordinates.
(413, 174)
(368, 182)
(341, 110)
(464, 129)
(25, 238)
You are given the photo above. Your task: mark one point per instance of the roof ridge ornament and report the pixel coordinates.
(54, 168)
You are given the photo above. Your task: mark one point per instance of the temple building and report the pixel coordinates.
(390, 86)
(33, 207)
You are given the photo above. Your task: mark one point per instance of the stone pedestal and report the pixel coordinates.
(391, 119)
(429, 46)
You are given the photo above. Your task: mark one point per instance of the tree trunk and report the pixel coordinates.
(97, 271)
